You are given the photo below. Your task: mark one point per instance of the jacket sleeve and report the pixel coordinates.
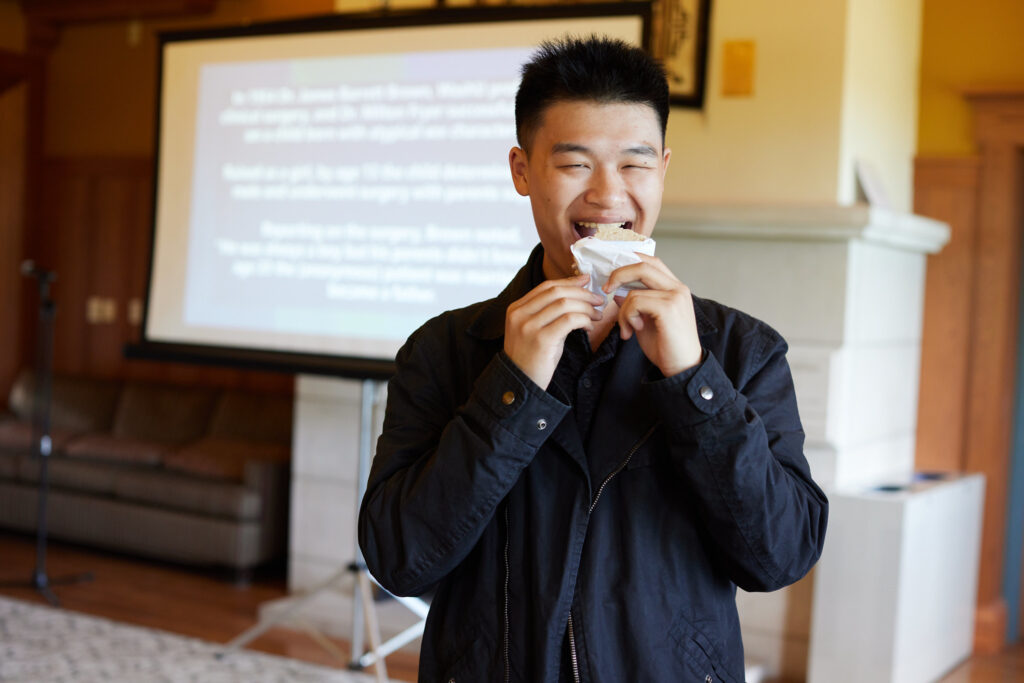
(440, 471)
(738, 444)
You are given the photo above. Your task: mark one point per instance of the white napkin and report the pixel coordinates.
(598, 258)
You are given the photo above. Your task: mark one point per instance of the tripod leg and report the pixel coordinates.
(265, 625)
(370, 612)
(42, 585)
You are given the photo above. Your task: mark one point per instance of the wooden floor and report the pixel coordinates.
(208, 606)
(200, 604)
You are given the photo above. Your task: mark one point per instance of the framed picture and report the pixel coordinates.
(679, 38)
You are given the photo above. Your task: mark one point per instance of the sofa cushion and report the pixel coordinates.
(9, 465)
(245, 415)
(191, 494)
(77, 475)
(221, 458)
(16, 437)
(79, 404)
(169, 414)
(117, 449)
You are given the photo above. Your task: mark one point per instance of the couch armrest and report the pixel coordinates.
(77, 404)
(272, 479)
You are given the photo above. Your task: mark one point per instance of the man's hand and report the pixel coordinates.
(661, 316)
(536, 325)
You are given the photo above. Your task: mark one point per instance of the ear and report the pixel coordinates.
(664, 164)
(518, 164)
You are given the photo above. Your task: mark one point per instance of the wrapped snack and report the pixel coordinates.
(608, 249)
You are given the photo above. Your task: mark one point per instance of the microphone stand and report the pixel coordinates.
(42, 444)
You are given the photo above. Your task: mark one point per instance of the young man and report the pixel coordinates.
(586, 489)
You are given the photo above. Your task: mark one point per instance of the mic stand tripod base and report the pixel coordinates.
(42, 583)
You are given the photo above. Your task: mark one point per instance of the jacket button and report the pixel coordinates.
(706, 393)
(508, 398)
(707, 679)
(542, 424)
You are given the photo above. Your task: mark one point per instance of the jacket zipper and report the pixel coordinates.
(572, 652)
(508, 534)
(600, 490)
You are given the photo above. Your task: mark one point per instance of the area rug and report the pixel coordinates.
(41, 644)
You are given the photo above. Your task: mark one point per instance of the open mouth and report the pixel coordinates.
(589, 229)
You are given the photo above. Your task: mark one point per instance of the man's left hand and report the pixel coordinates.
(660, 316)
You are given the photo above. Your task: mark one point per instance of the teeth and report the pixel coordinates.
(598, 226)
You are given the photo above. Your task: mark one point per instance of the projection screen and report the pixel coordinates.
(325, 186)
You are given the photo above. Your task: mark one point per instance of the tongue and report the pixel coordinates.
(584, 231)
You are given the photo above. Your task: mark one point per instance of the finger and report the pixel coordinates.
(647, 273)
(549, 307)
(554, 331)
(543, 288)
(560, 327)
(629, 321)
(652, 274)
(642, 306)
(532, 319)
(551, 290)
(655, 261)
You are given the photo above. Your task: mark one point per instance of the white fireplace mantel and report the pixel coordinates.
(799, 223)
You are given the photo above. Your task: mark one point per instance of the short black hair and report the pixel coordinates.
(598, 69)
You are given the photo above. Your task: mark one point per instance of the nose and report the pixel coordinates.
(606, 188)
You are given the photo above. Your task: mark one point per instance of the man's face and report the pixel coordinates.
(590, 163)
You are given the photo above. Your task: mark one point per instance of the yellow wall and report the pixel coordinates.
(781, 145)
(835, 82)
(880, 83)
(964, 44)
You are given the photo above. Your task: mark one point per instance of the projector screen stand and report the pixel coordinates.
(364, 611)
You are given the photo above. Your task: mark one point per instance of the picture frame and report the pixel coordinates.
(679, 38)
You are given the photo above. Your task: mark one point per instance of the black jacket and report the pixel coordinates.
(481, 488)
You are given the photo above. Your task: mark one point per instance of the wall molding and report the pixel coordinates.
(969, 359)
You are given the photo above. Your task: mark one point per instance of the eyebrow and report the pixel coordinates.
(643, 150)
(566, 147)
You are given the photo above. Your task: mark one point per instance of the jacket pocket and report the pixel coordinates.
(473, 664)
(701, 661)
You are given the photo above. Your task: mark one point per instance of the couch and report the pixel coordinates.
(191, 475)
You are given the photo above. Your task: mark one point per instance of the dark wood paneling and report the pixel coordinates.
(994, 359)
(12, 204)
(946, 189)
(76, 11)
(969, 353)
(95, 232)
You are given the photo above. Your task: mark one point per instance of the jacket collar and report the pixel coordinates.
(489, 321)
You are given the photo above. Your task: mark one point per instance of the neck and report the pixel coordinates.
(603, 326)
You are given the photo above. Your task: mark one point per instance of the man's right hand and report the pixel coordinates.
(536, 325)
